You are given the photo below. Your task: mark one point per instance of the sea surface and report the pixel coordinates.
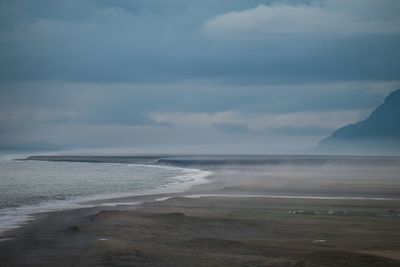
(29, 187)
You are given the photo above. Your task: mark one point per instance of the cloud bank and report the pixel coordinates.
(266, 20)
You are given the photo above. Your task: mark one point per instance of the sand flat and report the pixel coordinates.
(391, 254)
(211, 231)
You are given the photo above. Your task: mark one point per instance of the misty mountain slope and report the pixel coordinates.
(379, 133)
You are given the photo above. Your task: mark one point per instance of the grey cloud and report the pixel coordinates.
(131, 104)
(313, 131)
(58, 115)
(270, 20)
(152, 41)
(232, 128)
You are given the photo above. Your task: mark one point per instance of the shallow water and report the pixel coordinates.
(28, 187)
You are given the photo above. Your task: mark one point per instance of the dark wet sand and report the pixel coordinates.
(217, 231)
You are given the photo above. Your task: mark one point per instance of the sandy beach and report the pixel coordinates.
(230, 221)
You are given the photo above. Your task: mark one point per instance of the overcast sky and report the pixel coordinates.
(173, 76)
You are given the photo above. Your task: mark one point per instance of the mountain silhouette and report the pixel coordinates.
(379, 133)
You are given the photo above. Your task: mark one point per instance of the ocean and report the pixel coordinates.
(29, 187)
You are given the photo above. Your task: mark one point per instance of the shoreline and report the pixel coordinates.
(192, 189)
(243, 216)
(207, 185)
(20, 216)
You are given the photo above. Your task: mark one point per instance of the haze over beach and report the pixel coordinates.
(200, 133)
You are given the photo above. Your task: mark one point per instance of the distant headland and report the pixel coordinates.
(379, 133)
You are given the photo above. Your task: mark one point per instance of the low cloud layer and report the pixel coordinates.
(259, 123)
(315, 19)
(218, 118)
